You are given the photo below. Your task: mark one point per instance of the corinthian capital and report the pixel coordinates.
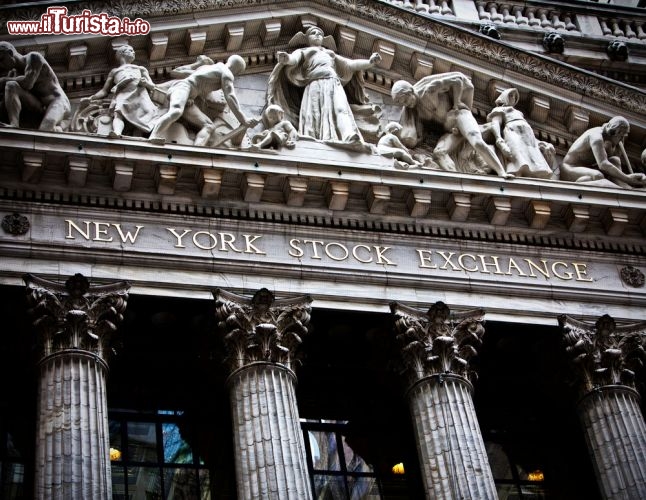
(604, 353)
(261, 328)
(438, 342)
(75, 315)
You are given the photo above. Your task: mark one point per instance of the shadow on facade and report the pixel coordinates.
(168, 374)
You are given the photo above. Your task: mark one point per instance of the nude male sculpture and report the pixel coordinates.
(201, 78)
(444, 99)
(30, 83)
(594, 156)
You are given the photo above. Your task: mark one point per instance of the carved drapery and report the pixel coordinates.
(261, 336)
(436, 349)
(606, 358)
(75, 323)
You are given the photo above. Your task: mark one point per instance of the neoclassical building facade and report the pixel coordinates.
(329, 249)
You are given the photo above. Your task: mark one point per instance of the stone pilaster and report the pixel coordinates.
(75, 323)
(436, 349)
(261, 336)
(605, 358)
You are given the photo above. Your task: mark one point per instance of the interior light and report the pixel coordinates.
(536, 475)
(115, 454)
(398, 468)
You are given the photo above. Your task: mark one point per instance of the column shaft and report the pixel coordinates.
(451, 449)
(72, 451)
(268, 441)
(616, 436)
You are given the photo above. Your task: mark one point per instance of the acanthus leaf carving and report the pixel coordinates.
(438, 342)
(262, 328)
(76, 315)
(604, 353)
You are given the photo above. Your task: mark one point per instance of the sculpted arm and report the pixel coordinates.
(187, 69)
(232, 100)
(146, 81)
(289, 59)
(109, 82)
(497, 122)
(33, 68)
(609, 169)
(363, 64)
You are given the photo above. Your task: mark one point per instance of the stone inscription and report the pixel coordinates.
(323, 252)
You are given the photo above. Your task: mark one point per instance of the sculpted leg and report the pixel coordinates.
(55, 114)
(178, 99)
(117, 125)
(195, 117)
(573, 173)
(12, 102)
(470, 130)
(447, 144)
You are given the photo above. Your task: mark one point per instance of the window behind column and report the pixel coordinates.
(337, 469)
(152, 457)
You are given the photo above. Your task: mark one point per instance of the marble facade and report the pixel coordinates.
(349, 154)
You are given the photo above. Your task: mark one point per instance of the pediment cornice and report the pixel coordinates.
(87, 171)
(422, 32)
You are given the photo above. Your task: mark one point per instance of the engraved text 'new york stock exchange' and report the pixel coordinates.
(313, 251)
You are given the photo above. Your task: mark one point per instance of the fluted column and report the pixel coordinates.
(74, 322)
(261, 336)
(436, 348)
(606, 358)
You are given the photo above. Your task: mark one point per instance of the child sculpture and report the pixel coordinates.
(278, 131)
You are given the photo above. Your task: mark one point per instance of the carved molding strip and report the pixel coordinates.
(435, 31)
(280, 215)
(431, 29)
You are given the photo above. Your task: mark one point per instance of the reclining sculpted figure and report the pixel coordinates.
(596, 157)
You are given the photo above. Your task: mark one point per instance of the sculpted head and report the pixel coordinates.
(236, 64)
(314, 36)
(393, 128)
(125, 52)
(616, 127)
(403, 94)
(508, 97)
(273, 114)
(8, 56)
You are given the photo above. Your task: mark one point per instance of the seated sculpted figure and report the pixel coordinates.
(515, 139)
(390, 146)
(329, 83)
(198, 80)
(443, 100)
(29, 82)
(130, 85)
(596, 156)
(278, 131)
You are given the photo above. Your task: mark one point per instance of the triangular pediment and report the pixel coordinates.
(559, 100)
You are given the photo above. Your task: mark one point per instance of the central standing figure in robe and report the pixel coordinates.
(319, 104)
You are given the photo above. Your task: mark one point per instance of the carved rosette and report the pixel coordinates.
(604, 354)
(632, 276)
(15, 224)
(261, 329)
(75, 315)
(438, 342)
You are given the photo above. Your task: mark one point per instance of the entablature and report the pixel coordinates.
(359, 190)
